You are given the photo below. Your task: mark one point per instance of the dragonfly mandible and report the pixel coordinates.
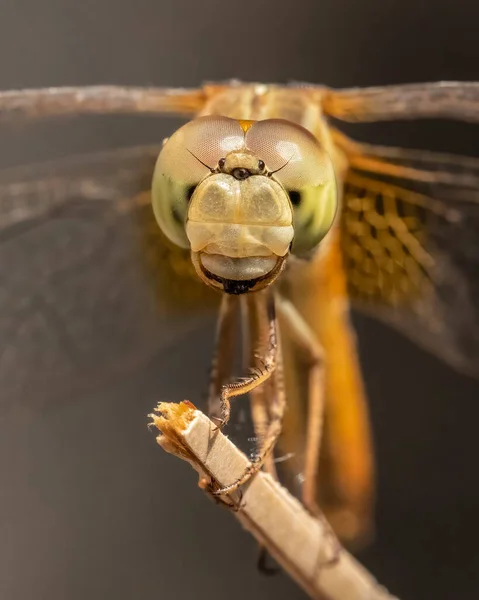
(389, 231)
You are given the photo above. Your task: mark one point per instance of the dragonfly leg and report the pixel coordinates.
(221, 365)
(271, 369)
(260, 399)
(271, 437)
(346, 470)
(303, 336)
(261, 372)
(253, 324)
(220, 371)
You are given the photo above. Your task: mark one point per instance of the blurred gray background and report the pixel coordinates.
(90, 507)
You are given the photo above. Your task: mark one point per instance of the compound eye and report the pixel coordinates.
(291, 152)
(186, 158)
(295, 158)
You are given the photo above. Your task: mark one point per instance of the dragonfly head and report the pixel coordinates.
(241, 196)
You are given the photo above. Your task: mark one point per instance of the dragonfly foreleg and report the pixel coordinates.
(221, 365)
(270, 374)
(277, 406)
(261, 372)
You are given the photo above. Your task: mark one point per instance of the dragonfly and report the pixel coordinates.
(263, 210)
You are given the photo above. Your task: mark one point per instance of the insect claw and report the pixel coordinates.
(238, 504)
(227, 489)
(220, 423)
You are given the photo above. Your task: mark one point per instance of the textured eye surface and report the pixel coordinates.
(301, 165)
(290, 150)
(286, 152)
(185, 159)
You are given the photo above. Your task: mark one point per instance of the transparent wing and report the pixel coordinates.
(89, 286)
(444, 99)
(410, 240)
(104, 99)
(458, 100)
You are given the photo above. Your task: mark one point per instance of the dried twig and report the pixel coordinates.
(303, 545)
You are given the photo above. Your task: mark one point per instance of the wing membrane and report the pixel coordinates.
(90, 287)
(102, 99)
(444, 99)
(410, 228)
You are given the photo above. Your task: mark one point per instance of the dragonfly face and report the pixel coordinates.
(237, 192)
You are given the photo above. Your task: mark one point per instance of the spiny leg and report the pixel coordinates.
(300, 333)
(253, 333)
(221, 368)
(319, 292)
(262, 400)
(304, 337)
(221, 364)
(271, 437)
(277, 401)
(259, 401)
(263, 368)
